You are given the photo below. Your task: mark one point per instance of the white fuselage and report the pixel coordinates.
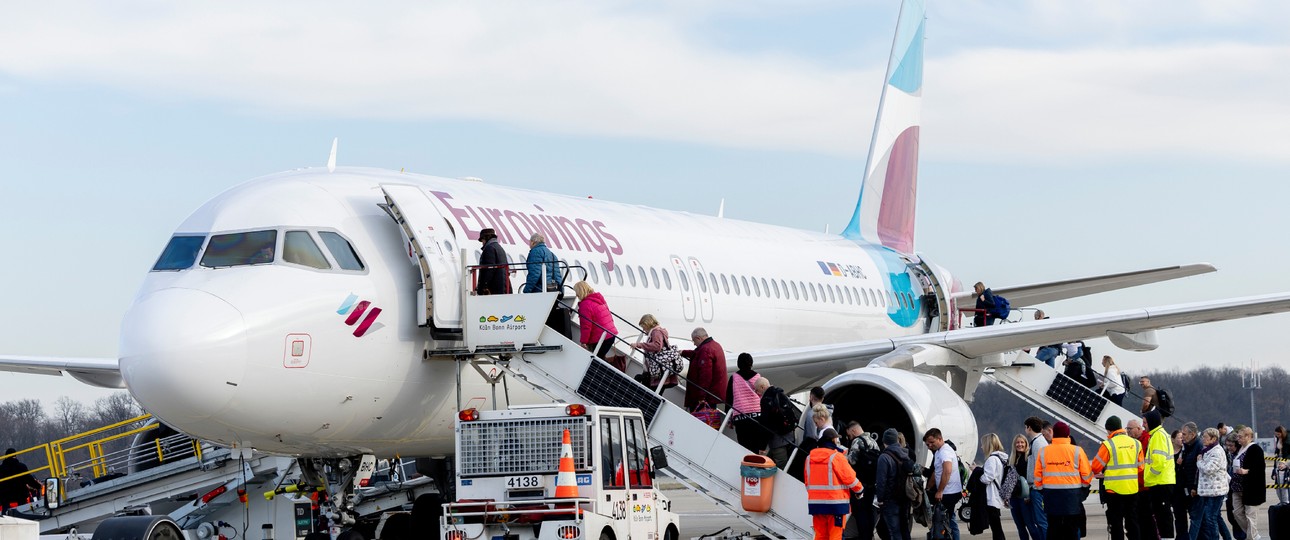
(265, 355)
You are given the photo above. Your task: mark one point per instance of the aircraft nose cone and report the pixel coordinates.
(183, 353)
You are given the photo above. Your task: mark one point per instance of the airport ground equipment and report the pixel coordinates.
(514, 479)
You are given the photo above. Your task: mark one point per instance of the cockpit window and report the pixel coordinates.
(341, 250)
(180, 253)
(238, 249)
(299, 248)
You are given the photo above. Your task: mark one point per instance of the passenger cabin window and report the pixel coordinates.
(685, 281)
(667, 279)
(299, 248)
(653, 273)
(703, 283)
(775, 285)
(180, 253)
(631, 277)
(591, 271)
(756, 289)
(341, 250)
(644, 280)
(240, 249)
(725, 285)
(747, 290)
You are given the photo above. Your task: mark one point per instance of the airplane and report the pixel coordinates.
(313, 257)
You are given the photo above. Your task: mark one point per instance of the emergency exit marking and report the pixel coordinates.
(296, 351)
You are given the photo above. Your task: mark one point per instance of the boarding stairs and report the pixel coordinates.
(1058, 395)
(699, 457)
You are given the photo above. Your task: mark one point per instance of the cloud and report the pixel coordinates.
(618, 69)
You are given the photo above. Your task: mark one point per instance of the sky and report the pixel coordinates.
(1059, 139)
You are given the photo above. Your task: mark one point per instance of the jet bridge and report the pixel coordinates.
(699, 457)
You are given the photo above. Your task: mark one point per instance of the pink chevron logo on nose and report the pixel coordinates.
(356, 311)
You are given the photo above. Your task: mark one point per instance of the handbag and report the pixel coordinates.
(707, 414)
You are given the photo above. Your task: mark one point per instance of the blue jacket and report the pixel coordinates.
(540, 256)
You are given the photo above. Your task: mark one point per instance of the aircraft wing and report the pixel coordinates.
(790, 368)
(1039, 293)
(100, 372)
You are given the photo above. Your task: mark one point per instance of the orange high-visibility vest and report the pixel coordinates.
(829, 482)
(1061, 465)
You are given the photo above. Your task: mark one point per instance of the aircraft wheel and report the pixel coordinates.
(965, 513)
(138, 528)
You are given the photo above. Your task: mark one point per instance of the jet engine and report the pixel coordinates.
(881, 397)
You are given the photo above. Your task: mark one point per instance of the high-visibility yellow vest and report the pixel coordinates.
(1160, 459)
(1121, 475)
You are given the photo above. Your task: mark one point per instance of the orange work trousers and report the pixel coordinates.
(827, 528)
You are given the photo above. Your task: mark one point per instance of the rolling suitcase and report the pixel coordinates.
(1279, 521)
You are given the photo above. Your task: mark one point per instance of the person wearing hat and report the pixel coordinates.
(830, 482)
(492, 266)
(1118, 461)
(1158, 475)
(889, 487)
(1063, 473)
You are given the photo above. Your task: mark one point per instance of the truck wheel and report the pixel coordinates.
(606, 535)
(670, 533)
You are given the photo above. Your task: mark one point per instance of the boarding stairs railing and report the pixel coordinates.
(1045, 388)
(698, 456)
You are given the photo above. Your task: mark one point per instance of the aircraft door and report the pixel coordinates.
(705, 289)
(432, 247)
(683, 282)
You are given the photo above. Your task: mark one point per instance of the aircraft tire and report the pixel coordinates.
(138, 528)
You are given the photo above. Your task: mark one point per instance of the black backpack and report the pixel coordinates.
(1166, 403)
(781, 416)
(909, 483)
(1090, 375)
(865, 462)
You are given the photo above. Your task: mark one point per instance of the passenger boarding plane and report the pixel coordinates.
(287, 313)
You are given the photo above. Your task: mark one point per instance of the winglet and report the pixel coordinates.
(331, 160)
(885, 211)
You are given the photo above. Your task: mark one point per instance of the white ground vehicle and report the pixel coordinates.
(507, 464)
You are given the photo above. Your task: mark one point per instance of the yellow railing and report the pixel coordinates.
(100, 462)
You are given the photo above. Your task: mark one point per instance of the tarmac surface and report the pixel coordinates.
(700, 517)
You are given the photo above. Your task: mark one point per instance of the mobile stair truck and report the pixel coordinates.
(555, 472)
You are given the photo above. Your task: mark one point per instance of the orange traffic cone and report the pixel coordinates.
(566, 482)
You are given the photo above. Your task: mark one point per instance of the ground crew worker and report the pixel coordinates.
(830, 481)
(1158, 475)
(1062, 473)
(1118, 461)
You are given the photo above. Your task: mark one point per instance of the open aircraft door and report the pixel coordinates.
(432, 246)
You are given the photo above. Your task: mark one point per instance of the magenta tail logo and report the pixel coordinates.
(355, 310)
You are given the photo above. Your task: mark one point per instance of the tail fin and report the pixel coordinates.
(885, 212)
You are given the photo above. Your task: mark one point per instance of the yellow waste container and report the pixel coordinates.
(758, 473)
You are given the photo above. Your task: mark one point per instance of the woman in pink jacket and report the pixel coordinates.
(594, 319)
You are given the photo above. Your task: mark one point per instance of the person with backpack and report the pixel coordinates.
(1019, 495)
(987, 311)
(1112, 383)
(777, 416)
(946, 489)
(1150, 399)
(998, 478)
(1118, 462)
(863, 456)
(890, 482)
